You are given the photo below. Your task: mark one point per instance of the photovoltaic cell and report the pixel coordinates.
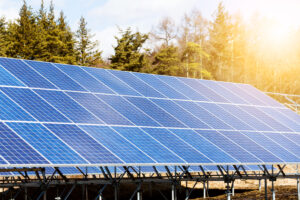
(290, 114)
(182, 88)
(148, 145)
(24, 73)
(227, 94)
(261, 96)
(276, 114)
(54, 75)
(117, 144)
(181, 114)
(160, 86)
(228, 118)
(7, 79)
(270, 145)
(34, 105)
(84, 78)
(112, 82)
(203, 90)
(155, 112)
(251, 146)
(276, 125)
(68, 107)
(83, 144)
(136, 83)
(233, 87)
(203, 115)
(228, 146)
(204, 146)
(176, 145)
(128, 110)
(284, 142)
(11, 111)
(46, 143)
(99, 108)
(2, 162)
(15, 150)
(293, 137)
(246, 117)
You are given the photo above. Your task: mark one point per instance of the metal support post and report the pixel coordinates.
(232, 188)
(207, 188)
(259, 185)
(273, 179)
(266, 189)
(45, 195)
(298, 188)
(116, 192)
(25, 193)
(174, 197)
(139, 195)
(204, 190)
(228, 191)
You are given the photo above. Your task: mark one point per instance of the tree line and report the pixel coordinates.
(225, 48)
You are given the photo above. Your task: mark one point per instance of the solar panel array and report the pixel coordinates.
(64, 115)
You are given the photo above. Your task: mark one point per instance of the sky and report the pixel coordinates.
(105, 16)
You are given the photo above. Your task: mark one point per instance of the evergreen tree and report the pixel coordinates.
(3, 37)
(22, 35)
(167, 61)
(67, 49)
(220, 39)
(128, 56)
(87, 52)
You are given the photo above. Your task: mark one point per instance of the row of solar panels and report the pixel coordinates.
(21, 104)
(74, 78)
(66, 144)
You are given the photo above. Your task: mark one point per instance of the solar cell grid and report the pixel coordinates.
(24, 73)
(7, 79)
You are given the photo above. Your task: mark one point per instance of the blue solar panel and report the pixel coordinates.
(274, 112)
(136, 83)
(84, 78)
(87, 147)
(204, 146)
(182, 88)
(261, 96)
(15, 150)
(155, 112)
(2, 161)
(117, 144)
(270, 145)
(181, 114)
(203, 115)
(284, 142)
(99, 108)
(176, 145)
(251, 146)
(46, 143)
(246, 117)
(112, 82)
(56, 76)
(293, 137)
(203, 90)
(7, 79)
(227, 94)
(160, 86)
(228, 118)
(228, 146)
(24, 73)
(276, 125)
(68, 107)
(128, 110)
(233, 87)
(11, 111)
(35, 105)
(291, 115)
(148, 145)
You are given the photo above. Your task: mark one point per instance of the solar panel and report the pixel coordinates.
(58, 115)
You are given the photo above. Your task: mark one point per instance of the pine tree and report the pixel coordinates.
(3, 37)
(220, 38)
(87, 52)
(128, 54)
(22, 35)
(67, 49)
(166, 61)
